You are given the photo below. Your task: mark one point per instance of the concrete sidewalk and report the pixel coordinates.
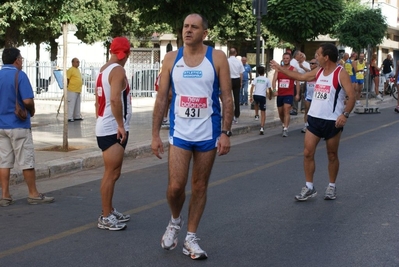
(48, 130)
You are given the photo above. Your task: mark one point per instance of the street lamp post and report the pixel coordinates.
(259, 10)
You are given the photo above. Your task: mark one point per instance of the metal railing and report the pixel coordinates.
(141, 79)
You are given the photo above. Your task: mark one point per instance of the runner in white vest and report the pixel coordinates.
(199, 76)
(327, 115)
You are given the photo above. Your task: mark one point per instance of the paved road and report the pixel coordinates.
(251, 218)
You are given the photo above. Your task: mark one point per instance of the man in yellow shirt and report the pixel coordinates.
(360, 65)
(74, 90)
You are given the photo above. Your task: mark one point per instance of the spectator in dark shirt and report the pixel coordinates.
(387, 70)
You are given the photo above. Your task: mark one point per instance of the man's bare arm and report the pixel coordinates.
(161, 102)
(29, 104)
(307, 76)
(223, 71)
(117, 80)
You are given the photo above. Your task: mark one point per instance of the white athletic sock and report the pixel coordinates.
(176, 221)
(331, 184)
(190, 235)
(309, 185)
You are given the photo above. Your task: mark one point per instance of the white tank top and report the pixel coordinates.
(195, 108)
(106, 123)
(328, 96)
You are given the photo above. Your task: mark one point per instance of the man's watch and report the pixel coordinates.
(346, 114)
(228, 133)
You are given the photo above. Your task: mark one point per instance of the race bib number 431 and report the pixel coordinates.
(321, 92)
(193, 107)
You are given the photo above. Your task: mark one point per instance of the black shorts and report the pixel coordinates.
(261, 101)
(285, 99)
(323, 128)
(104, 142)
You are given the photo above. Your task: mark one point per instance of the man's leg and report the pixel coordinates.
(179, 163)
(77, 114)
(236, 95)
(309, 166)
(30, 179)
(245, 92)
(5, 182)
(287, 108)
(113, 158)
(294, 106)
(309, 151)
(202, 167)
(242, 95)
(359, 89)
(262, 118)
(71, 104)
(332, 153)
(281, 114)
(256, 108)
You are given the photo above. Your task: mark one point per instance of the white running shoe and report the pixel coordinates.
(120, 216)
(169, 239)
(379, 97)
(192, 249)
(285, 133)
(110, 223)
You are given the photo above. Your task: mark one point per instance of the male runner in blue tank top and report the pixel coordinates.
(199, 76)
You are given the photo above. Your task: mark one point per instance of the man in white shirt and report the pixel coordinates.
(304, 66)
(236, 72)
(296, 62)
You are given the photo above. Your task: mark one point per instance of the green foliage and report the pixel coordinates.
(299, 21)
(173, 13)
(360, 27)
(238, 24)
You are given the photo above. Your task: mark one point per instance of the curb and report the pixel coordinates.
(93, 159)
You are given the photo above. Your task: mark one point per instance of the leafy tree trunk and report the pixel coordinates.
(11, 37)
(53, 49)
(37, 50)
(179, 35)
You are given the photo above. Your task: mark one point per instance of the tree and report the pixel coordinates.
(299, 21)
(360, 27)
(12, 15)
(173, 12)
(239, 24)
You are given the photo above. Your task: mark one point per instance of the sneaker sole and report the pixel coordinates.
(100, 226)
(304, 199)
(125, 220)
(193, 256)
(169, 248)
(329, 198)
(31, 202)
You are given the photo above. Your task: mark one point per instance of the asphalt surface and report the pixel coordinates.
(48, 132)
(251, 218)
